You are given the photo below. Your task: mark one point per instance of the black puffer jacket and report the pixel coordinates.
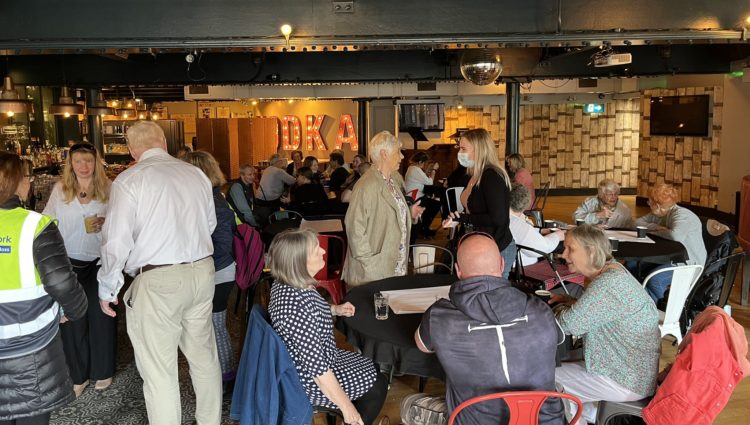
(39, 382)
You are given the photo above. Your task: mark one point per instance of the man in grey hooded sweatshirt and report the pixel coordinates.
(491, 337)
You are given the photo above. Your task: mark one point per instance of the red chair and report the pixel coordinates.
(330, 279)
(524, 406)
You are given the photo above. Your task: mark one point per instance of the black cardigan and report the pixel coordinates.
(489, 207)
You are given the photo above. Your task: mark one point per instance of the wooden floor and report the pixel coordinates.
(561, 208)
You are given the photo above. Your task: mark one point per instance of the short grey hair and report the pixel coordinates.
(383, 141)
(288, 257)
(608, 185)
(595, 242)
(520, 198)
(145, 135)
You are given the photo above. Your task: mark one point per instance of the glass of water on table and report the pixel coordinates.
(381, 306)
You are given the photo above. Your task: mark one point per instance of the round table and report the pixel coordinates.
(390, 342)
(271, 230)
(663, 251)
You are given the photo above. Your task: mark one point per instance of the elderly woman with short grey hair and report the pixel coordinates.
(524, 233)
(379, 218)
(605, 208)
(618, 322)
(330, 377)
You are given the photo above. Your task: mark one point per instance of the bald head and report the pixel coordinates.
(478, 256)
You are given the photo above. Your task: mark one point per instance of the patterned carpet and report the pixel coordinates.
(122, 403)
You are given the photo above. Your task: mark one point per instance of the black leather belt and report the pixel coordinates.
(149, 267)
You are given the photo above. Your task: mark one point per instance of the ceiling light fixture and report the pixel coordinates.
(286, 31)
(11, 102)
(65, 105)
(100, 107)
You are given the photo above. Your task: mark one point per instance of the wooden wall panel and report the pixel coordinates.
(564, 145)
(218, 136)
(245, 141)
(691, 164)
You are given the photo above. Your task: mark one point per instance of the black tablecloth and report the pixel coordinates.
(273, 229)
(663, 251)
(391, 342)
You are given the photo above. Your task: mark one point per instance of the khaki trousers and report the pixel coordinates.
(167, 308)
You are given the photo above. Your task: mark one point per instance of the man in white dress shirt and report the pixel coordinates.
(159, 222)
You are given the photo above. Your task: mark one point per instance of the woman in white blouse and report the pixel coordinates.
(79, 202)
(524, 233)
(417, 176)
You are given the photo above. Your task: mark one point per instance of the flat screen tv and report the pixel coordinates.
(680, 115)
(427, 116)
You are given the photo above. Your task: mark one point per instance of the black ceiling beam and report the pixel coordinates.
(371, 66)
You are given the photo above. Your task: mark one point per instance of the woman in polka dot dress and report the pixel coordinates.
(331, 377)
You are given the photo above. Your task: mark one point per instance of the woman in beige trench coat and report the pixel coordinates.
(379, 219)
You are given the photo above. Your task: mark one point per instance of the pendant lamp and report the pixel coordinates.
(100, 107)
(11, 102)
(65, 105)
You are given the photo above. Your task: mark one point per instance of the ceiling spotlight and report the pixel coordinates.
(286, 31)
(254, 102)
(290, 100)
(481, 66)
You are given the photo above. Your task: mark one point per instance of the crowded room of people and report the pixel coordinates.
(374, 213)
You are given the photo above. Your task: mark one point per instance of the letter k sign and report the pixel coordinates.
(5, 239)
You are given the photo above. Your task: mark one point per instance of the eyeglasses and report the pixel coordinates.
(83, 147)
(470, 234)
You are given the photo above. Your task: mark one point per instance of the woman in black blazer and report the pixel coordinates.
(486, 196)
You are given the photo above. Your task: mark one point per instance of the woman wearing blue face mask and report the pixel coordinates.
(486, 196)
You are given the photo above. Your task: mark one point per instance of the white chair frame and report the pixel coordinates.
(684, 279)
(422, 258)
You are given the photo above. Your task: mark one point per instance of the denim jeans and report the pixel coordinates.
(509, 256)
(658, 284)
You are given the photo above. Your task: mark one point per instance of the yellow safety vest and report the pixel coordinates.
(19, 278)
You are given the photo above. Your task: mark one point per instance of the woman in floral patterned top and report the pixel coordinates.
(618, 322)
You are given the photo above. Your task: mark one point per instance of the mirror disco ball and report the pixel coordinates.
(481, 67)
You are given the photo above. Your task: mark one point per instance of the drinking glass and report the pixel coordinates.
(381, 306)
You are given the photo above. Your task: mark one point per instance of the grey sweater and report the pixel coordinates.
(682, 226)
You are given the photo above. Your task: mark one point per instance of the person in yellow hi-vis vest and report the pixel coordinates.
(37, 289)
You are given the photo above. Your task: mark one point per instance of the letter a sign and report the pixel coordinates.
(346, 133)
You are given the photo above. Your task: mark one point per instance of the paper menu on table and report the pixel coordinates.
(627, 236)
(414, 301)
